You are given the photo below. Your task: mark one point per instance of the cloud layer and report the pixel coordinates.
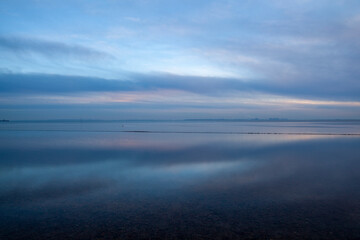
(299, 50)
(210, 86)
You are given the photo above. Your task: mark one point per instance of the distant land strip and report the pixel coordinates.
(179, 132)
(178, 120)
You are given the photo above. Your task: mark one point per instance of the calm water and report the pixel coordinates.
(179, 181)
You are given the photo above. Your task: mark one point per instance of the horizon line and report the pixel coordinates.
(182, 120)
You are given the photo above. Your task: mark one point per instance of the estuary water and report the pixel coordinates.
(180, 180)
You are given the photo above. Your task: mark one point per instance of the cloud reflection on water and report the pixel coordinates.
(301, 167)
(64, 183)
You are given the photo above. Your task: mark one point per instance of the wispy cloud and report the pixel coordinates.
(20, 45)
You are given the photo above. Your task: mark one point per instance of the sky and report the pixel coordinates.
(167, 59)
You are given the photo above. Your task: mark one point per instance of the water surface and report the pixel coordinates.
(99, 181)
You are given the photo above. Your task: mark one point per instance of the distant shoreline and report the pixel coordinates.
(182, 132)
(179, 120)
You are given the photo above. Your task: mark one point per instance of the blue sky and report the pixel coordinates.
(179, 59)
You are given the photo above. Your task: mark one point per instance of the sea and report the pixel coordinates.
(180, 179)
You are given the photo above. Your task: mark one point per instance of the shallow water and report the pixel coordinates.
(99, 181)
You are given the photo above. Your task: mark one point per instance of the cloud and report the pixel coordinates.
(211, 86)
(46, 48)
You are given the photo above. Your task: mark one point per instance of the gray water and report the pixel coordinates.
(180, 180)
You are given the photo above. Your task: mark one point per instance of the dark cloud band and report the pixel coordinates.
(212, 86)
